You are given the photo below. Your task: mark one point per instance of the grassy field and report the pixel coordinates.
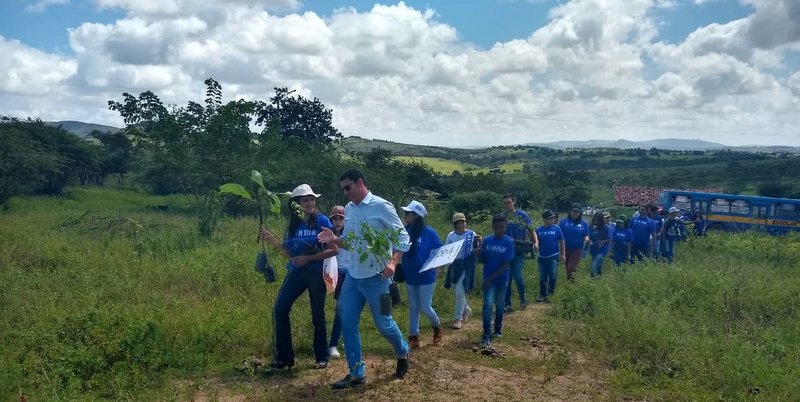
(103, 297)
(439, 165)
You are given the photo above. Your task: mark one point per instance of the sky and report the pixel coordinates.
(450, 73)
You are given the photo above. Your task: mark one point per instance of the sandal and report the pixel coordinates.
(322, 364)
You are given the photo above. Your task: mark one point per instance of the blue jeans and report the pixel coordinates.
(336, 331)
(657, 247)
(355, 293)
(548, 272)
(296, 282)
(516, 275)
(461, 298)
(597, 263)
(669, 249)
(638, 252)
(420, 300)
(621, 256)
(493, 297)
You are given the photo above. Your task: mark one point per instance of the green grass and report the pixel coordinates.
(125, 311)
(721, 324)
(439, 165)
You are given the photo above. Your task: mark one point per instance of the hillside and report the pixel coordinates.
(80, 128)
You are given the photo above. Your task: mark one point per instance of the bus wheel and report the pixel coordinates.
(717, 227)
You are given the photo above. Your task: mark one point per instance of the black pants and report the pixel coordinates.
(296, 282)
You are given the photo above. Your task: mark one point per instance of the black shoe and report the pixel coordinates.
(402, 368)
(277, 367)
(349, 382)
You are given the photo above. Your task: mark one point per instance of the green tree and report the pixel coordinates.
(296, 116)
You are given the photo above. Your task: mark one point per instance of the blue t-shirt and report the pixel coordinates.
(642, 227)
(427, 241)
(304, 240)
(574, 233)
(518, 226)
(549, 236)
(598, 236)
(622, 237)
(496, 251)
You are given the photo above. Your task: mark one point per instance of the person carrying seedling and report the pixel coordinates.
(304, 272)
(369, 220)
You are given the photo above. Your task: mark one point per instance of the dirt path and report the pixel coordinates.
(531, 368)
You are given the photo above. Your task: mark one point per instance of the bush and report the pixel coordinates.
(477, 206)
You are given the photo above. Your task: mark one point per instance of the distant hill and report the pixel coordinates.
(675, 144)
(80, 128)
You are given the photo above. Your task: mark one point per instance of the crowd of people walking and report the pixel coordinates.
(366, 275)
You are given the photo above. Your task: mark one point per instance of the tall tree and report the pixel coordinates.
(296, 116)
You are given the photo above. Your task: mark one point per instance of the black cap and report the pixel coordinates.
(547, 214)
(576, 207)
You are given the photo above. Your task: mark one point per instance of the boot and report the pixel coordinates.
(413, 342)
(438, 334)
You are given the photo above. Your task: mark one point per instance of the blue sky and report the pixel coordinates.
(480, 22)
(466, 73)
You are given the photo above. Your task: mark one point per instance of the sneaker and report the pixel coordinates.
(413, 341)
(508, 309)
(277, 367)
(349, 382)
(465, 315)
(438, 334)
(334, 353)
(456, 324)
(540, 299)
(497, 335)
(523, 305)
(402, 368)
(486, 343)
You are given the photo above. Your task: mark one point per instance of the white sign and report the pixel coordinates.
(442, 255)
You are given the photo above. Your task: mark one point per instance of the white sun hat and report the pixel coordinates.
(415, 207)
(304, 190)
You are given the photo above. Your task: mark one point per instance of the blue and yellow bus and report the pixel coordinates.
(735, 213)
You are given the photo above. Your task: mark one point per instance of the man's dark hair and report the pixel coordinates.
(353, 175)
(509, 195)
(499, 217)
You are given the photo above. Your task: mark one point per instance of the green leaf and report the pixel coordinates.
(235, 189)
(274, 204)
(255, 177)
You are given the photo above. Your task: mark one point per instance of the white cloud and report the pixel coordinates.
(597, 69)
(42, 5)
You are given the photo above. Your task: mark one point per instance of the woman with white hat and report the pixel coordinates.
(304, 272)
(420, 285)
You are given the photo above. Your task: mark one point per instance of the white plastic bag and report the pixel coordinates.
(330, 273)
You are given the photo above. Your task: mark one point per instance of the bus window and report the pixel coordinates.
(720, 205)
(741, 207)
(683, 202)
(788, 211)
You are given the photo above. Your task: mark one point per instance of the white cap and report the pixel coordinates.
(674, 209)
(304, 190)
(415, 207)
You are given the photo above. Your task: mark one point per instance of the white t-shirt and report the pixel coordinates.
(452, 237)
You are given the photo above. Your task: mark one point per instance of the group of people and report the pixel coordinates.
(365, 277)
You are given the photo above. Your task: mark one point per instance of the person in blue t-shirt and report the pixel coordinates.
(576, 234)
(600, 237)
(420, 285)
(644, 232)
(551, 250)
(521, 232)
(304, 272)
(672, 230)
(496, 253)
(658, 220)
(699, 223)
(621, 242)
